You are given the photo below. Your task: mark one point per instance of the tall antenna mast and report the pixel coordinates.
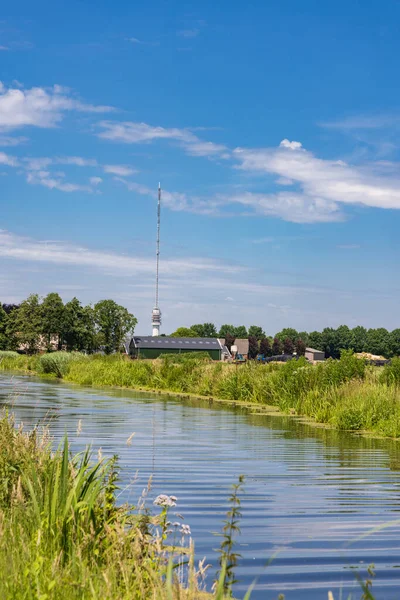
(156, 314)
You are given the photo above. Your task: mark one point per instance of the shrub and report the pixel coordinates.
(58, 363)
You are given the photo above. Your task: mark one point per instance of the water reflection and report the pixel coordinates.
(310, 492)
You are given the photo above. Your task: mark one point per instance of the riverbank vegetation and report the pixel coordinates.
(345, 394)
(63, 536)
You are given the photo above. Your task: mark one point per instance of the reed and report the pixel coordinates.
(62, 535)
(345, 394)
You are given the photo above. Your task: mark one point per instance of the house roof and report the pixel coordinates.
(313, 350)
(178, 343)
(242, 345)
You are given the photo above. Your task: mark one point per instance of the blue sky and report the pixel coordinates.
(272, 126)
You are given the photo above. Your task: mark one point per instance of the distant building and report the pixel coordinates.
(242, 346)
(313, 354)
(152, 347)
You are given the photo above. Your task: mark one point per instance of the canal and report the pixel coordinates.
(318, 506)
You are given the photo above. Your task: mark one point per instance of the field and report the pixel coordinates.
(345, 394)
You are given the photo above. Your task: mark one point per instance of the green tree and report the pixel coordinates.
(378, 342)
(330, 343)
(277, 347)
(205, 330)
(257, 332)
(184, 332)
(358, 339)
(303, 335)
(253, 346)
(265, 347)
(240, 332)
(53, 318)
(395, 342)
(288, 332)
(3, 328)
(113, 323)
(24, 325)
(225, 329)
(288, 346)
(343, 337)
(78, 332)
(315, 340)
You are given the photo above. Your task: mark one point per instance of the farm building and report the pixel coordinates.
(242, 346)
(152, 347)
(313, 354)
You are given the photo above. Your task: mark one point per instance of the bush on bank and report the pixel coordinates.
(344, 393)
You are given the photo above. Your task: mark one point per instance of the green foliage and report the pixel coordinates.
(53, 319)
(25, 324)
(257, 332)
(227, 329)
(63, 535)
(288, 332)
(58, 363)
(3, 328)
(205, 330)
(241, 332)
(228, 557)
(184, 332)
(378, 342)
(391, 373)
(78, 331)
(113, 323)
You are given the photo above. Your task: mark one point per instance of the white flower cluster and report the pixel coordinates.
(164, 500)
(185, 530)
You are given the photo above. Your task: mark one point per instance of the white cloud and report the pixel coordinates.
(39, 107)
(6, 140)
(77, 161)
(27, 249)
(6, 159)
(129, 132)
(95, 181)
(291, 145)
(121, 170)
(377, 121)
(133, 133)
(324, 183)
(53, 182)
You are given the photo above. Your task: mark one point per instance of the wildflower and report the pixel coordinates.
(185, 530)
(176, 524)
(164, 500)
(79, 428)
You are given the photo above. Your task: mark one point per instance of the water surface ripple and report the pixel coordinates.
(310, 493)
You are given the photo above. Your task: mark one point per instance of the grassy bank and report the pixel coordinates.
(345, 394)
(63, 537)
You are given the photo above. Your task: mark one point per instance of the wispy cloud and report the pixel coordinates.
(359, 122)
(6, 140)
(55, 182)
(324, 183)
(6, 159)
(39, 107)
(26, 249)
(129, 132)
(121, 170)
(4, 48)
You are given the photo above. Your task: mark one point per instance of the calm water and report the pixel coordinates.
(309, 495)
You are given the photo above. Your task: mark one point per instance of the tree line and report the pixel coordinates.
(49, 324)
(331, 341)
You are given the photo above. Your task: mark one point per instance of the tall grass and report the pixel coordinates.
(345, 394)
(62, 535)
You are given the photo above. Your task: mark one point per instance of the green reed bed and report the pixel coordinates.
(345, 394)
(62, 535)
